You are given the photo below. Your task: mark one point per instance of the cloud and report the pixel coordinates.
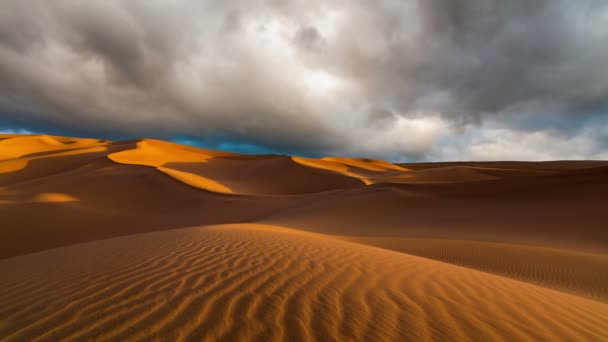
(14, 131)
(389, 79)
(495, 141)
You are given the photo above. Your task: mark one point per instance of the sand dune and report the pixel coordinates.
(333, 166)
(520, 249)
(375, 171)
(252, 282)
(19, 146)
(579, 273)
(448, 174)
(227, 172)
(366, 164)
(157, 153)
(267, 175)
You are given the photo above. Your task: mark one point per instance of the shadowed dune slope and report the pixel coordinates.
(564, 212)
(371, 171)
(265, 283)
(157, 154)
(582, 274)
(110, 200)
(232, 173)
(267, 175)
(448, 174)
(367, 164)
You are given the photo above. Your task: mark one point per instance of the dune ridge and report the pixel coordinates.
(265, 283)
(18, 146)
(201, 168)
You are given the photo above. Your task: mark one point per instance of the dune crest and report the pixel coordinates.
(332, 166)
(366, 164)
(19, 146)
(377, 171)
(196, 180)
(156, 153)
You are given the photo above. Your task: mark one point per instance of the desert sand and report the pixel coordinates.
(151, 240)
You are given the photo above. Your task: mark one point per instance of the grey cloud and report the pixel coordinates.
(308, 37)
(488, 57)
(316, 77)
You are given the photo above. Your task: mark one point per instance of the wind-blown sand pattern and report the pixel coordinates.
(263, 283)
(572, 271)
(150, 240)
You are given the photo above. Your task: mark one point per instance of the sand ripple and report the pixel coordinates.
(254, 282)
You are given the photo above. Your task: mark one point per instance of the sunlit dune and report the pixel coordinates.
(152, 240)
(33, 166)
(226, 172)
(54, 197)
(4, 136)
(331, 166)
(47, 197)
(267, 175)
(366, 164)
(195, 180)
(12, 165)
(157, 153)
(20, 146)
(376, 171)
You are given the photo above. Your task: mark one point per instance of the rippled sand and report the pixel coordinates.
(265, 283)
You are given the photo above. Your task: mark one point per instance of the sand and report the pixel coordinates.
(572, 271)
(251, 282)
(150, 240)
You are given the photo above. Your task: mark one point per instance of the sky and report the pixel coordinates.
(401, 80)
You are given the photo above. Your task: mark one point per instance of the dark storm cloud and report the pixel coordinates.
(486, 57)
(391, 79)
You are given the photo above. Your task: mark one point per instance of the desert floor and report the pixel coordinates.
(151, 240)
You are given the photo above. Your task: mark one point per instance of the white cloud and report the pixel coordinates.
(489, 143)
(15, 131)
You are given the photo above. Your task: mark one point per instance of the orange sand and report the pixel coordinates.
(247, 282)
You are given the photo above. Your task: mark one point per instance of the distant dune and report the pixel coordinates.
(223, 246)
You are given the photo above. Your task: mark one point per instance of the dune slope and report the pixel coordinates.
(266, 283)
(571, 271)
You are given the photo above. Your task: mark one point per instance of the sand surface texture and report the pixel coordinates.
(150, 240)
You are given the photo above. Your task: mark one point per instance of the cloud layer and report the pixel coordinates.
(402, 80)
